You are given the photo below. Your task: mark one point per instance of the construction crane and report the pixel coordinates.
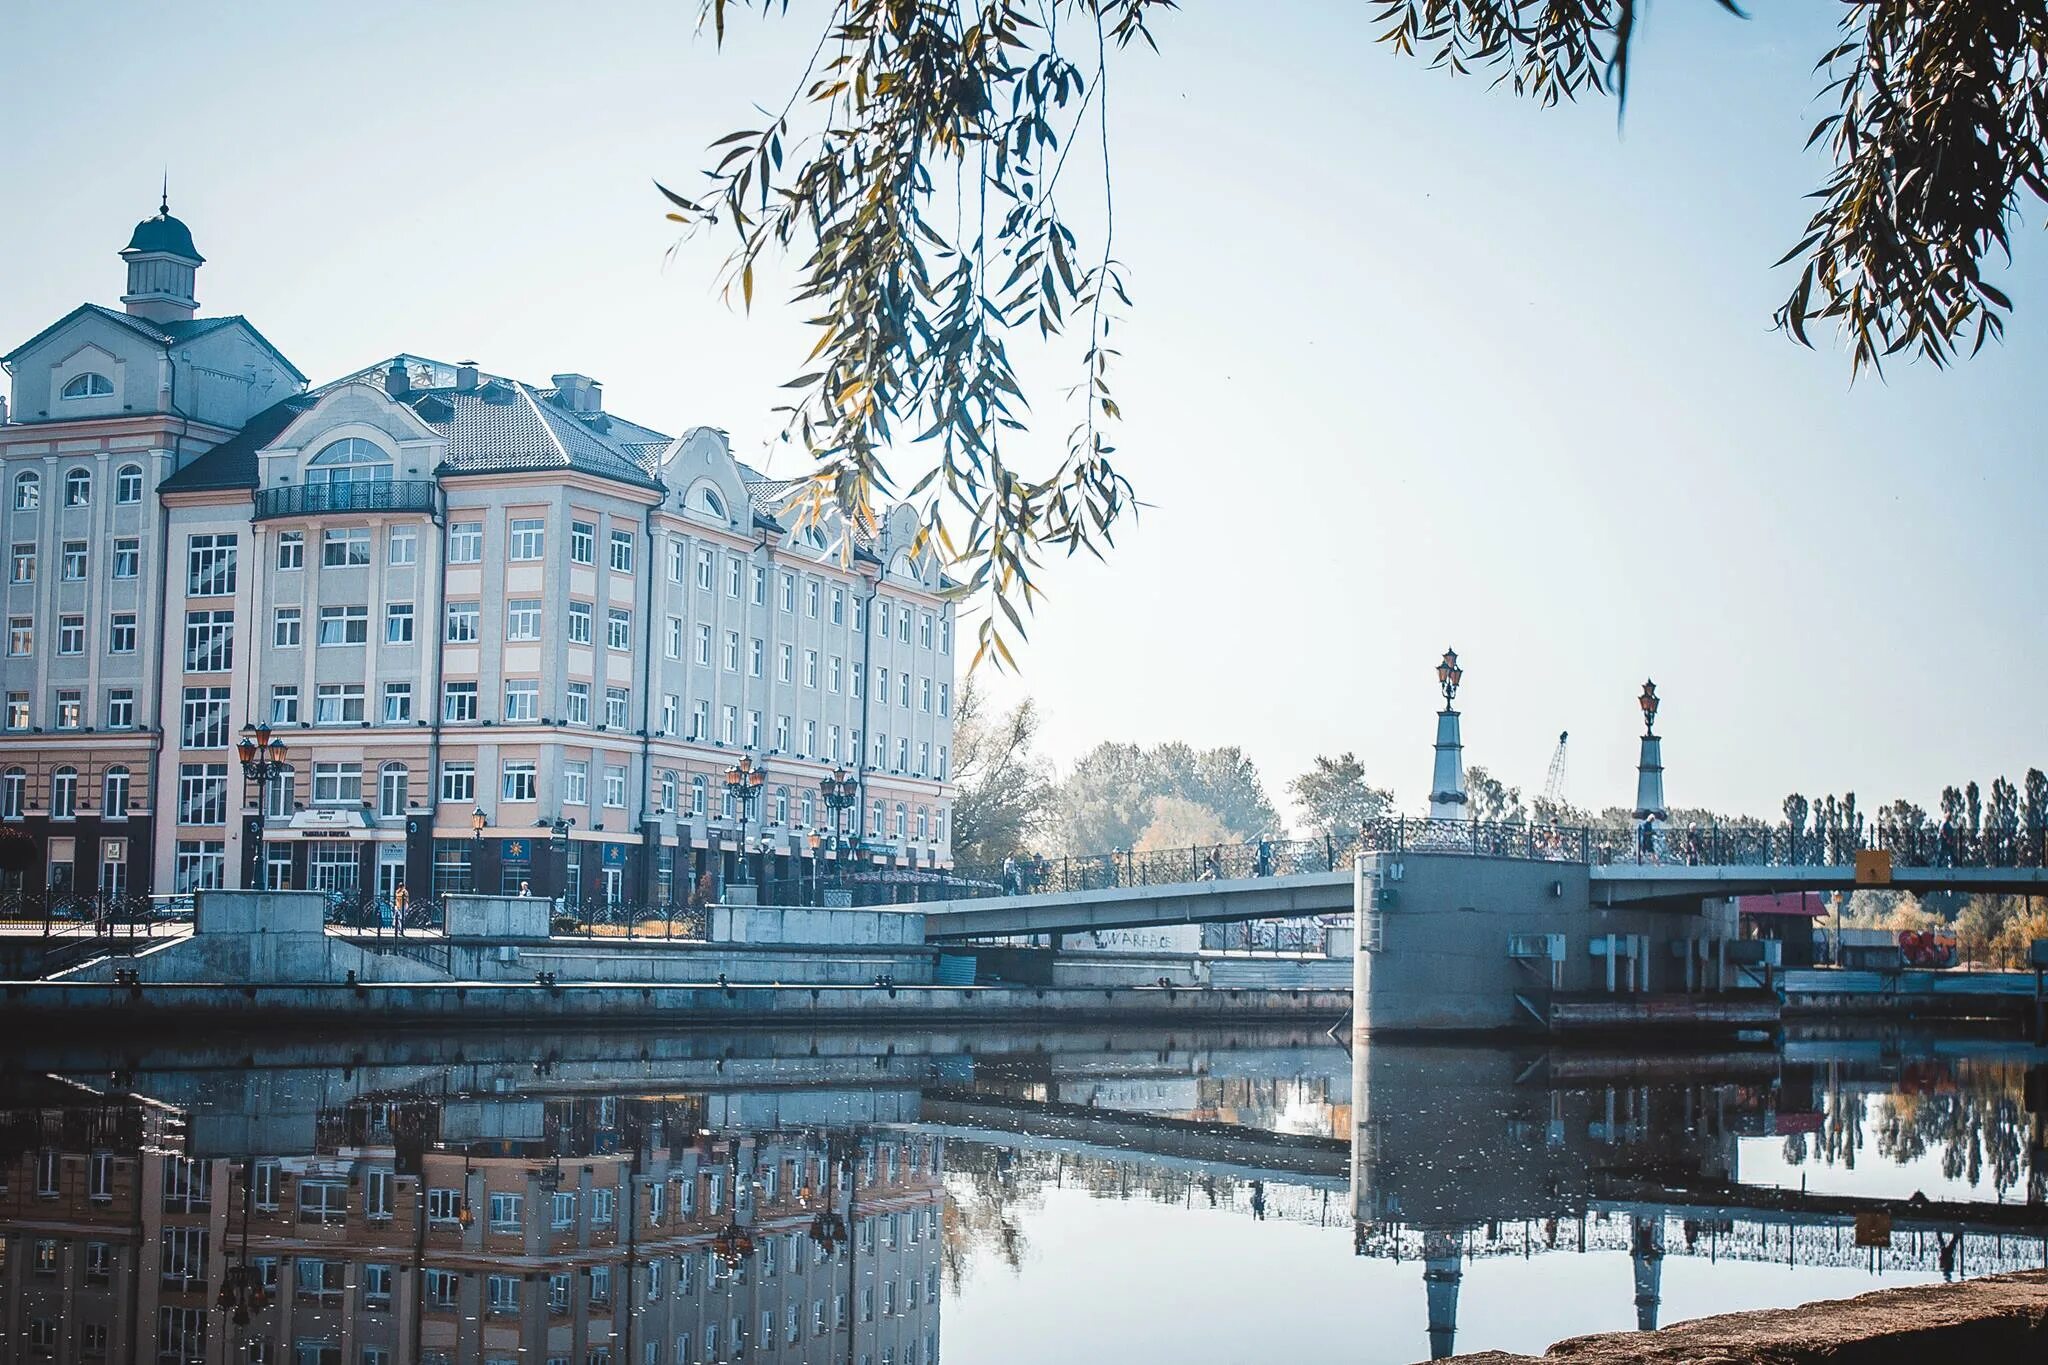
(1553, 785)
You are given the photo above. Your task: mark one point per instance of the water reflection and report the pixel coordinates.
(808, 1198)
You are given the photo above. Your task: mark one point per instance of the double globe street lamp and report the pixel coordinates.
(743, 784)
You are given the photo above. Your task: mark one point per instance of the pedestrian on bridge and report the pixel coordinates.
(1265, 863)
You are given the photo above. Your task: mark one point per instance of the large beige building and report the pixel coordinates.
(450, 593)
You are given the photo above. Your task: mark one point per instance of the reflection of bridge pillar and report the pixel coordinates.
(1442, 1269)
(1647, 1251)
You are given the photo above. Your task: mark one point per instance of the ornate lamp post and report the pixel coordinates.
(743, 781)
(1447, 783)
(478, 821)
(558, 844)
(840, 791)
(1649, 771)
(263, 762)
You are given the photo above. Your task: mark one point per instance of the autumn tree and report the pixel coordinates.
(914, 169)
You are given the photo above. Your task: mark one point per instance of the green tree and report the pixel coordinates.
(1105, 801)
(1488, 798)
(1225, 781)
(1005, 791)
(914, 167)
(1335, 798)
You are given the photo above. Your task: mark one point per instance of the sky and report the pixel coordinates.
(1410, 364)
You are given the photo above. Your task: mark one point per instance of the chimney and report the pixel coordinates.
(398, 380)
(579, 393)
(465, 376)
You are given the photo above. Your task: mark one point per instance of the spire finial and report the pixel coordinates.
(164, 208)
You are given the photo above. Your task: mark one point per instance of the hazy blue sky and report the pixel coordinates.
(1412, 364)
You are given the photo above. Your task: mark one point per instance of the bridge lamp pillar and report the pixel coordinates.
(1443, 1270)
(1650, 766)
(1447, 784)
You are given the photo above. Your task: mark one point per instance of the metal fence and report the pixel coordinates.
(383, 914)
(1743, 845)
(55, 915)
(626, 919)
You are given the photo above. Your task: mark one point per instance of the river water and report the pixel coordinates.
(981, 1197)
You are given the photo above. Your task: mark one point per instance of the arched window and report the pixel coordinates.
(705, 497)
(391, 789)
(114, 794)
(350, 460)
(924, 824)
(78, 488)
(28, 492)
(88, 385)
(128, 484)
(902, 822)
(667, 799)
(13, 792)
(697, 794)
(880, 814)
(277, 797)
(64, 793)
(781, 805)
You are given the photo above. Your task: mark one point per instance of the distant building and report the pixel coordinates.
(448, 592)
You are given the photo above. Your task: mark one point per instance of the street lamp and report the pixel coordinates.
(558, 842)
(262, 755)
(743, 781)
(840, 792)
(477, 821)
(1648, 701)
(1448, 676)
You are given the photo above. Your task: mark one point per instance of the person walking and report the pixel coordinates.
(1265, 863)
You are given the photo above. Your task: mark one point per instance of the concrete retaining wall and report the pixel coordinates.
(84, 1006)
(269, 937)
(497, 917)
(795, 924)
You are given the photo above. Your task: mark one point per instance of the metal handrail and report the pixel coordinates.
(382, 495)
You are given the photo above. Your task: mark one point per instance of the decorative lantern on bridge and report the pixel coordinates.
(1447, 784)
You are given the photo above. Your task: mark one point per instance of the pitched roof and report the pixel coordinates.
(503, 426)
(232, 463)
(160, 334)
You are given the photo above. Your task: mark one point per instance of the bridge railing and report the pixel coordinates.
(1727, 845)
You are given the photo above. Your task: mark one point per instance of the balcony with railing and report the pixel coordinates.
(380, 495)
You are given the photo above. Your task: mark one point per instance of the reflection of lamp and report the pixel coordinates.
(735, 1241)
(241, 1285)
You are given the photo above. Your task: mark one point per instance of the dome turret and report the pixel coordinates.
(162, 264)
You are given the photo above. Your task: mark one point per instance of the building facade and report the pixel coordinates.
(511, 641)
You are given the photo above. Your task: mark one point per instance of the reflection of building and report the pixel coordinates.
(448, 591)
(586, 1230)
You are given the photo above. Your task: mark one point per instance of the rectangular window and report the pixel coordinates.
(398, 623)
(733, 570)
(284, 628)
(753, 729)
(522, 619)
(338, 783)
(17, 710)
(404, 548)
(209, 641)
(127, 557)
(21, 636)
(71, 635)
(121, 633)
(785, 662)
(200, 865)
(703, 644)
(121, 709)
(462, 623)
(291, 550)
(579, 623)
(202, 793)
(579, 703)
(787, 586)
(24, 565)
(811, 598)
(622, 551)
(397, 703)
(74, 562)
(522, 700)
(345, 547)
(344, 625)
(70, 712)
(675, 637)
(614, 786)
(758, 594)
(728, 724)
(205, 718)
(615, 707)
(945, 699)
(810, 668)
(528, 537)
(706, 565)
(671, 712)
(838, 606)
(618, 629)
(209, 565)
(732, 651)
(575, 783)
(458, 701)
(458, 782)
(521, 780)
(582, 542)
(466, 542)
